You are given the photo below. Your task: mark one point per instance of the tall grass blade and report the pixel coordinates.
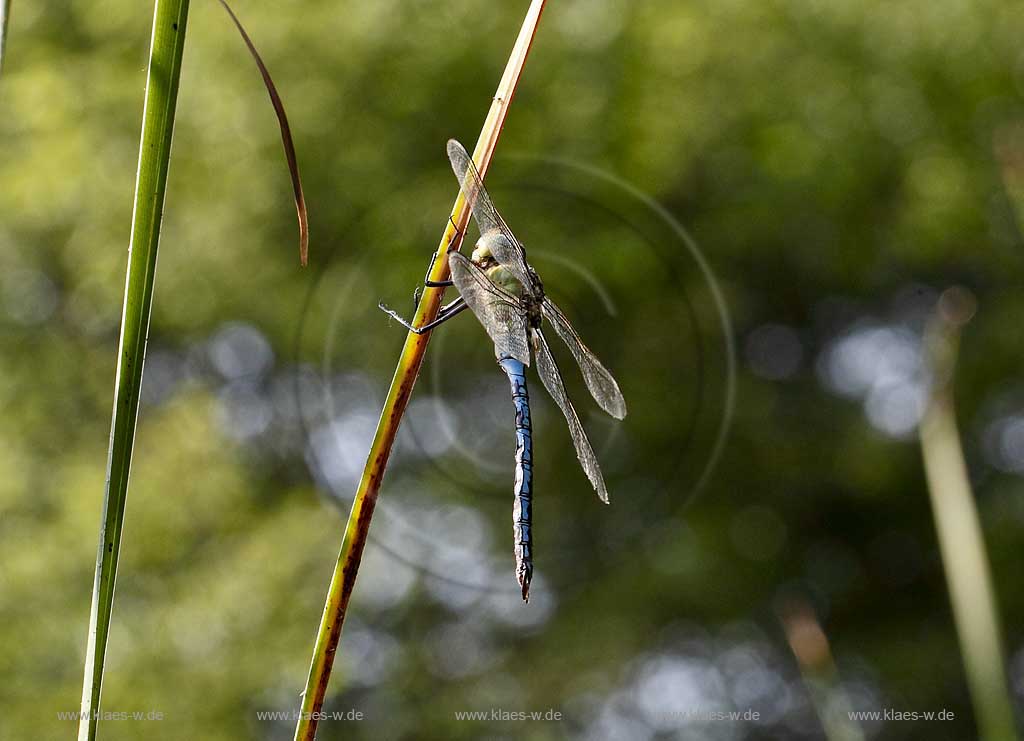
(959, 529)
(167, 47)
(286, 138)
(408, 369)
(810, 646)
(5, 14)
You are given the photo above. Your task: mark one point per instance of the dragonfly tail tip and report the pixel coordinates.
(523, 577)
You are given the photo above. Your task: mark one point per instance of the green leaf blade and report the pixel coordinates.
(167, 48)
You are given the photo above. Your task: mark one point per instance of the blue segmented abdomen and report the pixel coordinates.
(523, 505)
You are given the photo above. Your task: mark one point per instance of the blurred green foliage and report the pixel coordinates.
(835, 162)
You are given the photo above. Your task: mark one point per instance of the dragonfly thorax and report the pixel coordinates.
(499, 274)
(503, 278)
(507, 279)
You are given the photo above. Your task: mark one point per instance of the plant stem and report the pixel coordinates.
(810, 646)
(167, 47)
(959, 529)
(408, 370)
(5, 14)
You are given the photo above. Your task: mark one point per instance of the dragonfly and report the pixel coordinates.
(503, 290)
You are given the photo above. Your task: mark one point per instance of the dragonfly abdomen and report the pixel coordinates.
(522, 507)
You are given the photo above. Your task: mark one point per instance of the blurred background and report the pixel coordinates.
(747, 210)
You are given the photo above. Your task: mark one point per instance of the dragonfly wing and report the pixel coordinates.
(508, 251)
(498, 310)
(602, 385)
(549, 376)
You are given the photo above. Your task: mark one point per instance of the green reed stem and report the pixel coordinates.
(356, 531)
(5, 14)
(959, 528)
(166, 51)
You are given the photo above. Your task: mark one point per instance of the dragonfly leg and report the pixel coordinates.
(418, 293)
(427, 282)
(447, 312)
(451, 309)
(457, 234)
(435, 283)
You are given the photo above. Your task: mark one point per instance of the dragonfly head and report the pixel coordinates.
(483, 254)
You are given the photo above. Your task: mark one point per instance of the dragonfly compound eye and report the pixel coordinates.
(482, 253)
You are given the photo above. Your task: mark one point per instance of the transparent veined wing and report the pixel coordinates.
(548, 371)
(509, 251)
(499, 311)
(599, 381)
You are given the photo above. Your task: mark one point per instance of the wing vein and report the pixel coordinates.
(549, 376)
(499, 312)
(600, 382)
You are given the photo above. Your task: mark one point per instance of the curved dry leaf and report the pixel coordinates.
(286, 137)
